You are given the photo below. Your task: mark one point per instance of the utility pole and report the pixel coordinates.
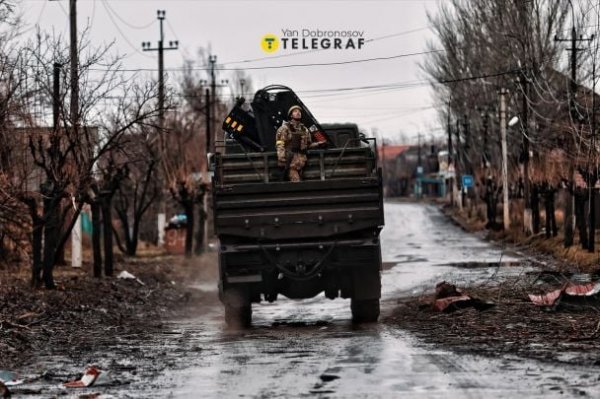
(523, 80)
(593, 174)
(419, 167)
(56, 97)
(419, 162)
(383, 166)
(74, 67)
(569, 231)
(74, 116)
(485, 156)
(242, 84)
(173, 45)
(147, 46)
(458, 166)
(74, 106)
(450, 155)
(212, 60)
(208, 121)
(527, 215)
(467, 146)
(505, 204)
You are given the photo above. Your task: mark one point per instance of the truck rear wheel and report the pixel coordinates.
(238, 307)
(365, 310)
(238, 316)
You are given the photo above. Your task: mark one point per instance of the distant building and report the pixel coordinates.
(393, 186)
(404, 176)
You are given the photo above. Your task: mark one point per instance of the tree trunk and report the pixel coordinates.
(60, 250)
(551, 229)
(592, 239)
(549, 213)
(189, 234)
(535, 209)
(36, 247)
(490, 211)
(580, 219)
(60, 256)
(569, 236)
(108, 235)
(129, 250)
(552, 216)
(51, 233)
(118, 241)
(200, 233)
(96, 229)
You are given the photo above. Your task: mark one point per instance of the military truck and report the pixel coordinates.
(300, 239)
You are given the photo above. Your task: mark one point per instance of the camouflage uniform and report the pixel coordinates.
(292, 142)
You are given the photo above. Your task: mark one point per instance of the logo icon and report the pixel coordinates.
(269, 43)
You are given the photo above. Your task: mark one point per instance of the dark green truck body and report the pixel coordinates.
(300, 239)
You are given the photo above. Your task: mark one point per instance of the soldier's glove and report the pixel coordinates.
(281, 163)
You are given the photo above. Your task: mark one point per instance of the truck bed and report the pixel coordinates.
(340, 194)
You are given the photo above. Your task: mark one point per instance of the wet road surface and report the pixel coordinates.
(311, 349)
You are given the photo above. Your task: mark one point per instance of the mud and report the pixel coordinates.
(85, 312)
(567, 335)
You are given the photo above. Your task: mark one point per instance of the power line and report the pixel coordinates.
(315, 64)
(110, 16)
(116, 14)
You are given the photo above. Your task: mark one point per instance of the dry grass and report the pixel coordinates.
(32, 320)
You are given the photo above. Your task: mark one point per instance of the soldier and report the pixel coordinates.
(292, 142)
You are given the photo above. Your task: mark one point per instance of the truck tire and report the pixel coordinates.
(365, 310)
(238, 316)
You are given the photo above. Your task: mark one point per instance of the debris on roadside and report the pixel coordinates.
(92, 375)
(125, 275)
(94, 395)
(448, 299)
(9, 378)
(569, 291)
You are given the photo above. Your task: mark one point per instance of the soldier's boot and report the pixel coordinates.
(294, 175)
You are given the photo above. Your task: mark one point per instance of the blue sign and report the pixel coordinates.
(467, 181)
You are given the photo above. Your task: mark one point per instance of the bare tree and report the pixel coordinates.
(487, 45)
(140, 187)
(66, 160)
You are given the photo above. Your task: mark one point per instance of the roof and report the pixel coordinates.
(390, 152)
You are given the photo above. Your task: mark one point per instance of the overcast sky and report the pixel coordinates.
(233, 30)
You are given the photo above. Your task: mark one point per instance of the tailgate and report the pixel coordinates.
(309, 209)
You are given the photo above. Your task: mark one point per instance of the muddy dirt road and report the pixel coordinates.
(311, 348)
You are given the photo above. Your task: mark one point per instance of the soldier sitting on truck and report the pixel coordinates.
(292, 141)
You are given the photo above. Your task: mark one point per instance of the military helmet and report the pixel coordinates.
(293, 107)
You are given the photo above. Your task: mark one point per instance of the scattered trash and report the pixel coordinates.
(125, 275)
(91, 376)
(448, 299)
(589, 289)
(94, 395)
(9, 378)
(548, 299)
(569, 291)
